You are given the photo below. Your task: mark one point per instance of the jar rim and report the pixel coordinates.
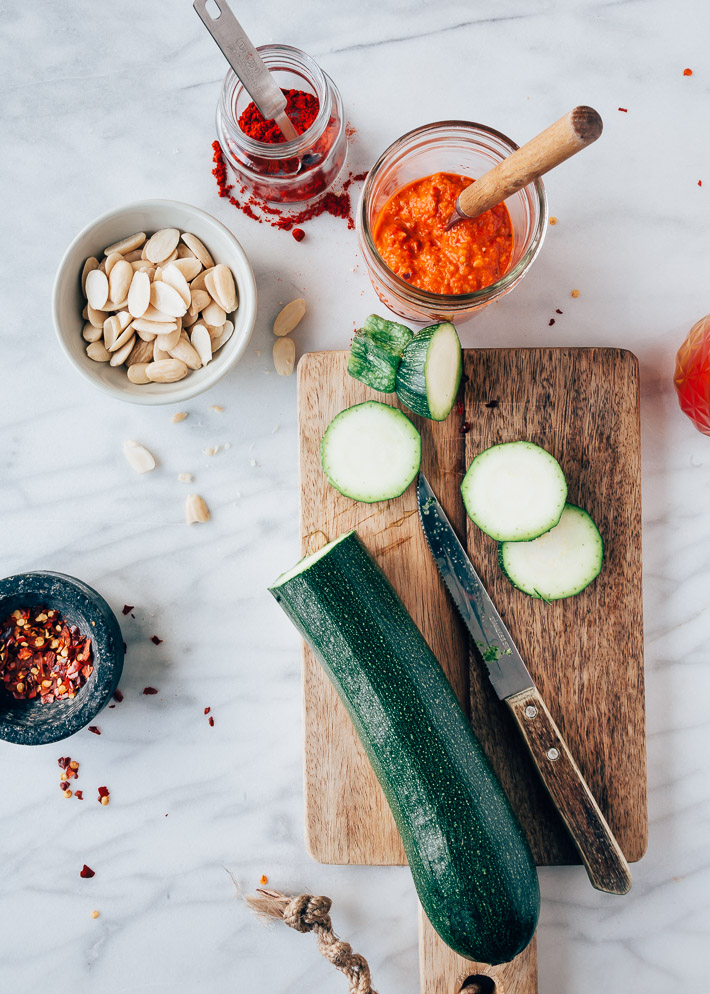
(414, 295)
(315, 76)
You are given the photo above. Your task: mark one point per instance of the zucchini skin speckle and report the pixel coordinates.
(469, 858)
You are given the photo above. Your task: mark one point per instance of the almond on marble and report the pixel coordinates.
(138, 457)
(196, 511)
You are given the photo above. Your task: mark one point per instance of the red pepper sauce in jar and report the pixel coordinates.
(410, 235)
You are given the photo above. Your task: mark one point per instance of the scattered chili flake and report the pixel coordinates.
(86, 872)
(104, 795)
(117, 696)
(299, 234)
(155, 640)
(149, 690)
(575, 293)
(687, 72)
(42, 655)
(95, 729)
(465, 428)
(207, 710)
(211, 721)
(94, 914)
(263, 879)
(624, 110)
(459, 407)
(551, 322)
(79, 794)
(492, 404)
(127, 608)
(558, 311)
(553, 220)
(63, 762)
(700, 182)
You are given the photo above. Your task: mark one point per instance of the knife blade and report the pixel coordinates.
(600, 852)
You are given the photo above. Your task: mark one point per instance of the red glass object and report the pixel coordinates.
(692, 375)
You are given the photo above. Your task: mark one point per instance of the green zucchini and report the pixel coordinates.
(429, 374)
(471, 863)
(376, 352)
(560, 563)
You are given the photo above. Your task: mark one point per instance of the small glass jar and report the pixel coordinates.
(279, 173)
(467, 149)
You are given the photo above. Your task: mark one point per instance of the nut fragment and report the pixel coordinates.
(185, 477)
(126, 244)
(289, 316)
(198, 249)
(196, 511)
(165, 370)
(138, 457)
(284, 356)
(97, 289)
(161, 245)
(178, 416)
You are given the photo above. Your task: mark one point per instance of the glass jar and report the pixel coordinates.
(467, 149)
(280, 173)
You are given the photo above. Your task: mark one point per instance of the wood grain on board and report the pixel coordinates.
(585, 653)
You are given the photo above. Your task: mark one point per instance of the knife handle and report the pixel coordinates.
(604, 861)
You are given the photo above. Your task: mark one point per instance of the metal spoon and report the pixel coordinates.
(246, 62)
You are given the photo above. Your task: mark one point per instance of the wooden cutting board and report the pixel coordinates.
(585, 653)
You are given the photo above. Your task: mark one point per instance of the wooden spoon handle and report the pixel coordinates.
(564, 138)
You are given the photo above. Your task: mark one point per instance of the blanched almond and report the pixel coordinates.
(178, 417)
(189, 267)
(139, 294)
(114, 326)
(97, 352)
(142, 352)
(158, 354)
(198, 249)
(189, 319)
(161, 244)
(169, 341)
(202, 343)
(186, 353)
(196, 511)
(145, 336)
(174, 278)
(223, 337)
(154, 327)
(91, 333)
(97, 289)
(143, 266)
(125, 245)
(97, 318)
(185, 253)
(109, 262)
(153, 314)
(166, 299)
(136, 372)
(289, 316)
(221, 286)
(123, 337)
(199, 281)
(214, 314)
(119, 279)
(165, 370)
(138, 457)
(200, 299)
(118, 358)
(89, 266)
(133, 256)
(284, 356)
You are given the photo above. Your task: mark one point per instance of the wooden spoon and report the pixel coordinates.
(564, 138)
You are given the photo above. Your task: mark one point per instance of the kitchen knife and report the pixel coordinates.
(604, 861)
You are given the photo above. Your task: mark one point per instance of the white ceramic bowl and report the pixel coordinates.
(150, 216)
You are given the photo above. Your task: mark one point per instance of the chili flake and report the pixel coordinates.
(95, 729)
(575, 293)
(211, 721)
(155, 640)
(104, 795)
(263, 879)
(558, 311)
(551, 322)
(127, 608)
(149, 690)
(299, 234)
(42, 655)
(86, 872)
(700, 182)
(687, 72)
(207, 710)
(624, 110)
(553, 220)
(117, 696)
(79, 794)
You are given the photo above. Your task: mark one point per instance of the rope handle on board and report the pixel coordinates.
(307, 913)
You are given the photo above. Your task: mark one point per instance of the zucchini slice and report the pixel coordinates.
(514, 491)
(372, 364)
(560, 563)
(371, 452)
(376, 351)
(429, 374)
(469, 857)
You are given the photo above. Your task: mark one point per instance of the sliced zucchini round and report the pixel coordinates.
(429, 374)
(558, 564)
(514, 491)
(371, 452)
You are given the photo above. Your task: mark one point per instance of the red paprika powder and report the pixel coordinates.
(301, 109)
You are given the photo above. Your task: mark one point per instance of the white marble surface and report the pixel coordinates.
(106, 103)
